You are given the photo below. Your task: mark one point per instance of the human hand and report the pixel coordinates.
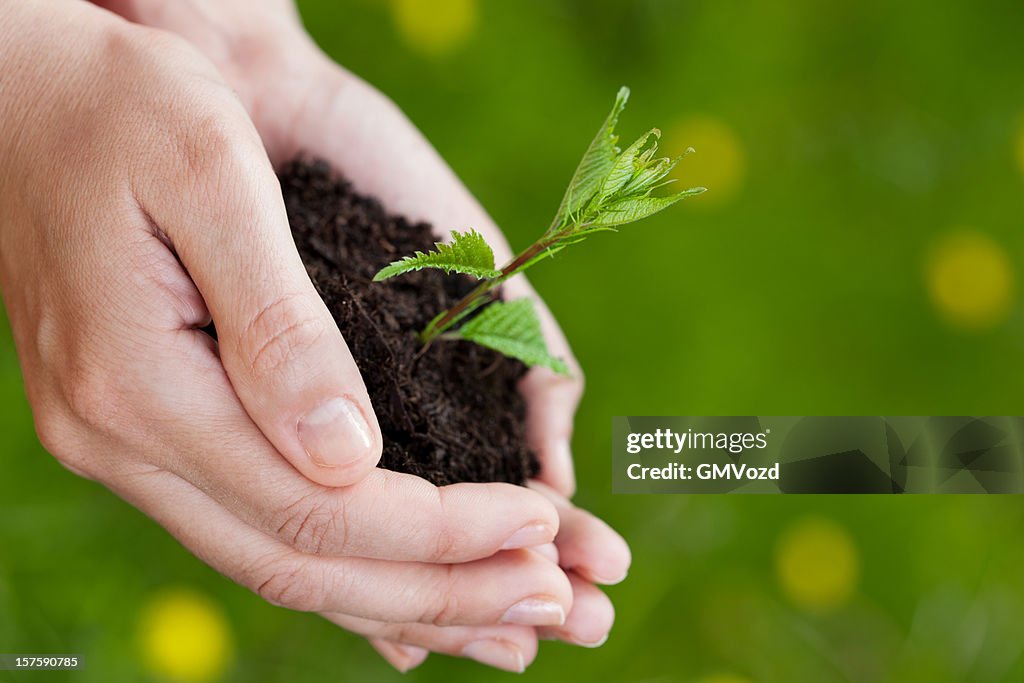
(302, 102)
(137, 203)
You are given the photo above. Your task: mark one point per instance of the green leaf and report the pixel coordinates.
(631, 163)
(632, 209)
(512, 328)
(613, 187)
(468, 253)
(594, 166)
(651, 176)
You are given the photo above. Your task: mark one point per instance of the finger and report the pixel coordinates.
(587, 545)
(281, 348)
(365, 136)
(591, 618)
(548, 551)
(513, 587)
(510, 648)
(402, 657)
(386, 515)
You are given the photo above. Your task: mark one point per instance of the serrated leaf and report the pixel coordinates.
(467, 253)
(630, 163)
(594, 165)
(512, 328)
(633, 209)
(650, 177)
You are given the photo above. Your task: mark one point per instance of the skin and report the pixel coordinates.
(137, 203)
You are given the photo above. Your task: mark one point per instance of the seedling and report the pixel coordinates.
(611, 187)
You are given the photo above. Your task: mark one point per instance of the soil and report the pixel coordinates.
(451, 414)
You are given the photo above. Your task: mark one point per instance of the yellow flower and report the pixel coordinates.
(970, 280)
(719, 162)
(185, 637)
(435, 27)
(817, 565)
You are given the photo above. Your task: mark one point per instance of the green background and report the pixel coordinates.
(850, 138)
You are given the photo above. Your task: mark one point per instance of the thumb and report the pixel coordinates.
(282, 350)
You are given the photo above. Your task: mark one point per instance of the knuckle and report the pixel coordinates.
(293, 584)
(280, 332)
(315, 525)
(445, 536)
(69, 397)
(97, 398)
(132, 54)
(138, 49)
(130, 41)
(443, 602)
(210, 144)
(52, 429)
(444, 543)
(406, 633)
(60, 434)
(177, 120)
(124, 43)
(56, 433)
(183, 98)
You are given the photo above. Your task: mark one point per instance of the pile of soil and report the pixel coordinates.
(449, 415)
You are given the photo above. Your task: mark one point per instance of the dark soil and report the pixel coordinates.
(453, 414)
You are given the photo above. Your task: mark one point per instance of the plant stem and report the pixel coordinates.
(469, 302)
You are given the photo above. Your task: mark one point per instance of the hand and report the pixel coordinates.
(301, 101)
(137, 203)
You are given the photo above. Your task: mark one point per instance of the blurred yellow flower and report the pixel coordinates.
(817, 565)
(185, 637)
(970, 280)
(719, 162)
(435, 27)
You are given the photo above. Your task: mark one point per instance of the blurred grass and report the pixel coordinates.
(866, 132)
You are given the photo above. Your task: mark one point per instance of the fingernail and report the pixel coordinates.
(606, 581)
(334, 432)
(501, 654)
(558, 634)
(529, 535)
(411, 656)
(535, 612)
(593, 644)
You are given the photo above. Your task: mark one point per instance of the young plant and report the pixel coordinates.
(611, 187)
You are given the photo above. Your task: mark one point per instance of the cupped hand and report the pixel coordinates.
(137, 203)
(302, 102)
